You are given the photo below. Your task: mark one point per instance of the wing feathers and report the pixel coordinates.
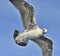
(45, 44)
(27, 13)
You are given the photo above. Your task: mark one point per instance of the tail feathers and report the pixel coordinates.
(16, 33)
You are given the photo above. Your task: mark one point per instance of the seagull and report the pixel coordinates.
(32, 30)
(28, 19)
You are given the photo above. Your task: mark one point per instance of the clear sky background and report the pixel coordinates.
(47, 13)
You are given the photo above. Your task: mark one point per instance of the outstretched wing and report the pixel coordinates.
(27, 13)
(45, 44)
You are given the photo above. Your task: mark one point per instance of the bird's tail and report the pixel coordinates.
(18, 40)
(16, 33)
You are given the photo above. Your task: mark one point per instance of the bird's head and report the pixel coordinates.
(44, 31)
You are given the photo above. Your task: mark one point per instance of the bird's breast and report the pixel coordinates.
(35, 33)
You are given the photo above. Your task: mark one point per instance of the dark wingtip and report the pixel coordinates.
(10, 0)
(22, 44)
(16, 32)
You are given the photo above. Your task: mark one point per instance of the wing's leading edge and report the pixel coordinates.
(45, 44)
(27, 13)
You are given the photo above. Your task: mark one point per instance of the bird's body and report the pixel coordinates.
(31, 34)
(32, 31)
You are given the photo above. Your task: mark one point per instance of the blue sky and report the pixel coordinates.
(47, 13)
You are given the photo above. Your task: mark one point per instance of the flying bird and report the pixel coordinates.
(27, 14)
(32, 31)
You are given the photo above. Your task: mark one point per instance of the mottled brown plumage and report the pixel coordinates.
(33, 32)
